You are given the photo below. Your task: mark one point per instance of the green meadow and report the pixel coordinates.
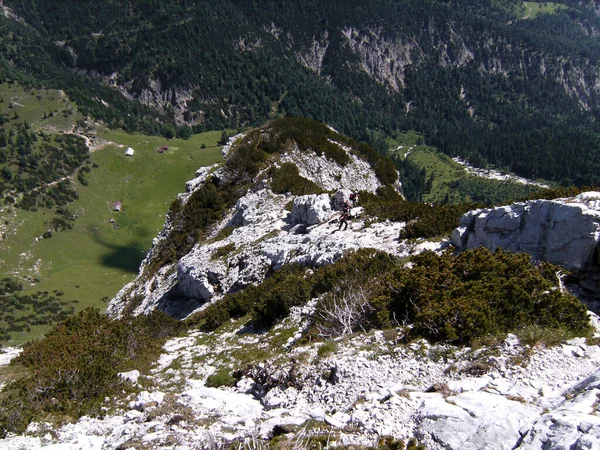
(450, 182)
(532, 9)
(103, 251)
(43, 108)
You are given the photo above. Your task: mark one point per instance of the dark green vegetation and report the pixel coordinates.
(36, 166)
(434, 220)
(287, 179)
(456, 299)
(423, 220)
(476, 79)
(73, 369)
(20, 311)
(459, 299)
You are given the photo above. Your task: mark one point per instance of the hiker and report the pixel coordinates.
(343, 221)
(345, 215)
(354, 198)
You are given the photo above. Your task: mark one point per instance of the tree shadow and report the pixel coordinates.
(124, 257)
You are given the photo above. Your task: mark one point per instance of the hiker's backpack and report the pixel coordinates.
(352, 196)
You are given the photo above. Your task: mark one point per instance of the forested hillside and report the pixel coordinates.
(506, 82)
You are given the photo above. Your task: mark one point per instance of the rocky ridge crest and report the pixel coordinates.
(261, 234)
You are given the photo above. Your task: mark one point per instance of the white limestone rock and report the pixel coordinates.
(356, 175)
(565, 232)
(311, 209)
(475, 420)
(256, 208)
(131, 376)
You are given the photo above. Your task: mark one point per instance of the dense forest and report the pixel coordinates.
(479, 80)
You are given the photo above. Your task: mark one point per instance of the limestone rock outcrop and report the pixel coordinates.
(261, 234)
(565, 232)
(311, 209)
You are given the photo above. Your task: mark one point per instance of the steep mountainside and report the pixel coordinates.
(303, 335)
(488, 82)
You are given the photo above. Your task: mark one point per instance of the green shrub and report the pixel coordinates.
(74, 367)
(268, 302)
(287, 179)
(423, 220)
(558, 192)
(278, 296)
(192, 219)
(222, 377)
(476, 293)
(223, 251)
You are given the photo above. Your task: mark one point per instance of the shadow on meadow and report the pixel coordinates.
(125, 257)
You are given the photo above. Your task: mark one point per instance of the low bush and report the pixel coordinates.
(191, 220)
(222, 377)
(223, 251)
(423, 220)
(287, 179)
(267, 302)
(477, 293)
(74, 367)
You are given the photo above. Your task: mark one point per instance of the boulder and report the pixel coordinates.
(341, 196)
(255, 208)
(475, 420)
(311, 209)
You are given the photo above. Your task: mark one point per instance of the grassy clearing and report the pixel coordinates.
(441, 167)
(43, 108)
(95, 259)
(533, 9)
(402, 142)
(449, 182)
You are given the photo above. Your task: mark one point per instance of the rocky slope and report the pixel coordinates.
(354, 392)
(264, 234)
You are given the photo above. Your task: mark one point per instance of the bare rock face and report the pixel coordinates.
(311, 209)
(565, 232)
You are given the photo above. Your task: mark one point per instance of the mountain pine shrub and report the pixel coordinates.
(191, 220)
(477, 293)
(288, 179)
(74, 367)
(267, 302)
(423, 220)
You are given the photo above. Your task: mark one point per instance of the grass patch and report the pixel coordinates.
(222, 377)
(531, 10)
(326, 349)
(223, 251)
(97, 257)
(535, 334)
